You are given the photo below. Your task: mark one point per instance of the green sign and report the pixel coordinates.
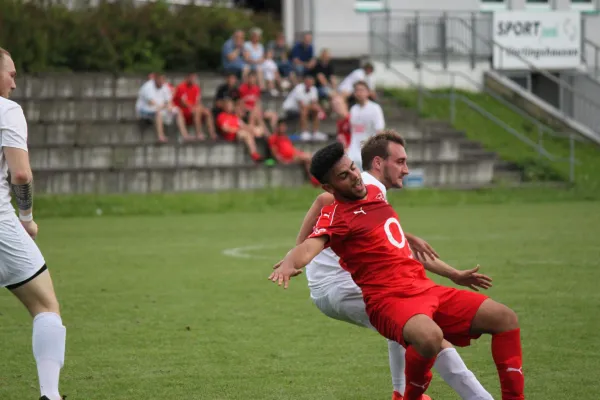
(370, 5)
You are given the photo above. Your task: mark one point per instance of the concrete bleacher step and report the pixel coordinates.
(136, 155)
(460, 173)
(95, 85)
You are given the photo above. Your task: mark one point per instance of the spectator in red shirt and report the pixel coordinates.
(251, 107)
(232, 129)
(343, 122)
(188, 98)
(284, 151)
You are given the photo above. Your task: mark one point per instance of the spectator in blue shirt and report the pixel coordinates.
(303, 57)
(234, 55)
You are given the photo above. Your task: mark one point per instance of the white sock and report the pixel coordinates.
(397, 362)
(455, 373)
(49, 336)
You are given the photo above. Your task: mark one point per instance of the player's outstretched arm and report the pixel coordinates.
(297, 259)
(469, 278)
(310, 219)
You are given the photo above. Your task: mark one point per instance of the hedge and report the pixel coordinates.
(121, 37)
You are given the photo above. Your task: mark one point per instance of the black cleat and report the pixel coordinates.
(45, 398)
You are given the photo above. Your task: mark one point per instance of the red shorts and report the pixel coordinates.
(452, 309)
(230, 137)
(289, 156)
(188, 116)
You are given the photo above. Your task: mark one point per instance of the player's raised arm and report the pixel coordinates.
(297, 259)
(469, 278)
(310, 219)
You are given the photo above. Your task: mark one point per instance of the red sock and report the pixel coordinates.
(418, 374)
(506, 350)
(256, 157)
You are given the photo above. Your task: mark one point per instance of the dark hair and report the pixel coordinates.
(377, 146)
(368, 65)
(324, 160)
(362, 83)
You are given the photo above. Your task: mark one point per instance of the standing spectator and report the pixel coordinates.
(255, 54)
(303, 56)
(281, 57)
(233, 55)
(188, 98)
(303, 102)
(154, 103)
(364, 74)
(284, 151)
(366, 120)
(323, 73)
(227, 90)
(251, 107)
(232, 129)
(271, 73)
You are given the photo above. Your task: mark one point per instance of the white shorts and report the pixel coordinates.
(343, 301)
(20, 258)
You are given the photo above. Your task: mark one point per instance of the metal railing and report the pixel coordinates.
(454, 97)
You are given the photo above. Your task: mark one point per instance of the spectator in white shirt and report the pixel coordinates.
(366, 120)
(303, 103)
(254, 53)
(271, 72)
(365, 74)
(154, 103)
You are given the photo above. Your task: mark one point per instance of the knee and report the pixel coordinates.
(507, 319)
(430, 343)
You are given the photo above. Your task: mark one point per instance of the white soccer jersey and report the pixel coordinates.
(300, 95)
(149, 92)
(347, 85)
(13, 133)
(325, 268)
(365, 121)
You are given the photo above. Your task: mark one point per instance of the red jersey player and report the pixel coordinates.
(401, 302)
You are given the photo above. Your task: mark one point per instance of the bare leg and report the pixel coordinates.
(160, 129)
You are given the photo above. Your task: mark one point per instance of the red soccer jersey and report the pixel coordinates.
(343, 130)
(369, 240)
(283, 146)
(186, 94)
(250, 94)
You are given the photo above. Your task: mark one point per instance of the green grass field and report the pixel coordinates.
(157, 307)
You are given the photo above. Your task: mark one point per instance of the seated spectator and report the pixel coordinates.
(233, 55)
(303, 103)
(232, 129)
(365, 74)
(271, 74)
(303, 57)
(251, 111)
(229, 90)
(323, 73)
(255, 54)
(188, 98)
(154, 103)
(284, 151)
(281, 57)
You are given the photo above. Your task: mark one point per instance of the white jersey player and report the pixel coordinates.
(22, 267)
(366, 120)
(336, 295)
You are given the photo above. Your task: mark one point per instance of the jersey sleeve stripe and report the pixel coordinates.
(332, 215)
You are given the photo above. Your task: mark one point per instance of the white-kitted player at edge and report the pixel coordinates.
(366, 120)
(22, 267)
(336, 295)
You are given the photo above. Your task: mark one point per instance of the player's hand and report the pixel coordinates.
(277, 265)
(421, 248)
(472, 279)
(282, 274)
(31, 228)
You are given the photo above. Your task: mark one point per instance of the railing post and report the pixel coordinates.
(540, 140)
(416, 36)
(452, 99)
(444, 44)
(388, 54)
(571, 159)
(473, 39)
(596, 60)
(420, 93)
